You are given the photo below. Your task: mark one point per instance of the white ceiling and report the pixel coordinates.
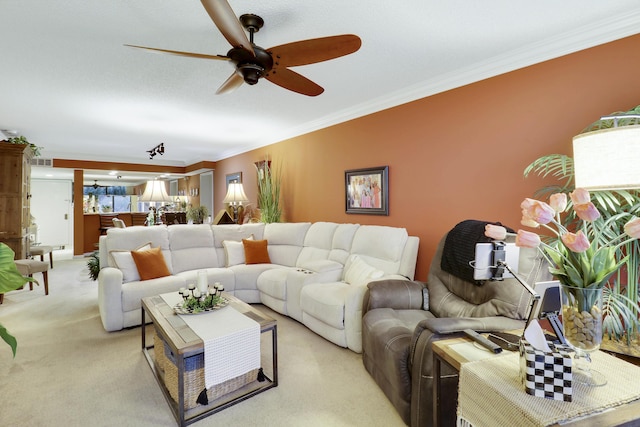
(68, 84)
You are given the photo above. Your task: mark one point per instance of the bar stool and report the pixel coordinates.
(42, 251)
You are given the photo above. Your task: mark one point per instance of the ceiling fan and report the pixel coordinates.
(253, 62)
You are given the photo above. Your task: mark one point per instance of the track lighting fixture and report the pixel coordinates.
(159, 149)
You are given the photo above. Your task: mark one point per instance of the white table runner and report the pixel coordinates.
(231, 341)
(490, 393)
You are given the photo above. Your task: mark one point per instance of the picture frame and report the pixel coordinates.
(367, 191)
(261, 166)
(234, 177)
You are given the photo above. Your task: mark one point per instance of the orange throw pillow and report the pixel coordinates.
(255, 252)
(150, 264)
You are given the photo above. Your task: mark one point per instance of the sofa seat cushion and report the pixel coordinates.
(325, 301)
(246, 275)
(274, 282)
(133, 292)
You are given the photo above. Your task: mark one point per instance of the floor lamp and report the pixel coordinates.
(235, 197)
(155, 191)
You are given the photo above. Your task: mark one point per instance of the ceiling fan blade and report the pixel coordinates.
(227, 22)
(293, 81)
(231, 84)
(179, 53)
(315, 50)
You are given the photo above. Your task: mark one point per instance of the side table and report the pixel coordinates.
(460, 350)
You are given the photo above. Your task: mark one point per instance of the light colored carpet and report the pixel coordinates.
(69, 372)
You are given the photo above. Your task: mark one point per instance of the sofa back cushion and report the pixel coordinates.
(192, 247)
(342, 241)
(132, 238)
(234, 233)
(450, 296)
(380, 246)
(317, 243)
(285, 241)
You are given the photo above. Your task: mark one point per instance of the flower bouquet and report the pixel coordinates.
(582, 259)
(585, 257)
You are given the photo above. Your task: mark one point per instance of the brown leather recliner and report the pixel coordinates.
(399, 326)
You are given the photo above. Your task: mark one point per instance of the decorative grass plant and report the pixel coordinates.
(269, 183)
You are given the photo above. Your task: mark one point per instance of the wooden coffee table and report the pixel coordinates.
(184, 343)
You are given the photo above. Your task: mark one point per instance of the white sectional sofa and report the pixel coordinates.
(317, 274)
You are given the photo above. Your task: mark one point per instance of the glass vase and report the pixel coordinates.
(582, 327)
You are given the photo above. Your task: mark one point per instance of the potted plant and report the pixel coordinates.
(197, 214)
(23, 140)
(10, 279)
(93, 264)
(269, 182)
(621, 323)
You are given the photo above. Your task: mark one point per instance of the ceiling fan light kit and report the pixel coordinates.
(253, 62)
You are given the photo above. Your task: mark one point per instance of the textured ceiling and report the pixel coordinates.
(68, 84)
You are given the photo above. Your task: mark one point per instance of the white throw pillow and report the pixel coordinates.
(124, 261)
(360, 273)
(234, 251)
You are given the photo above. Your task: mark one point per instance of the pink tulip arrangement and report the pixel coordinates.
(584, 257)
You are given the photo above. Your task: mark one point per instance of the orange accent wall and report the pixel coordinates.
(455, 155)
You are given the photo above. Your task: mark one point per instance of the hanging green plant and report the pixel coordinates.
(23, 140)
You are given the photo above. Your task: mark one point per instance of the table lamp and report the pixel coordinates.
(155, 191)
(235, 197)
(607, 159)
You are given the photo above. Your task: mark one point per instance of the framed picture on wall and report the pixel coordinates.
(367, 191)
(234, 177)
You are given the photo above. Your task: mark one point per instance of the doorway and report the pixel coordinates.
(51, 208)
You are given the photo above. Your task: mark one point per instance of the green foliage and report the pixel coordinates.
(621, 120)
(10, 279)
(197, 214)
(269, 183)
(93, 264)
(23, 140)
(620, 308)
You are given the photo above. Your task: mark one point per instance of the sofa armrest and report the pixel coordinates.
(110, 298)
(450, 325)
(394, 293)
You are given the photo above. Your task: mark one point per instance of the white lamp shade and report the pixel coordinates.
(155, 191)
(608, 159)
(235, 194)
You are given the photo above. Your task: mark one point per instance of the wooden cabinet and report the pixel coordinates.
(15, 179)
